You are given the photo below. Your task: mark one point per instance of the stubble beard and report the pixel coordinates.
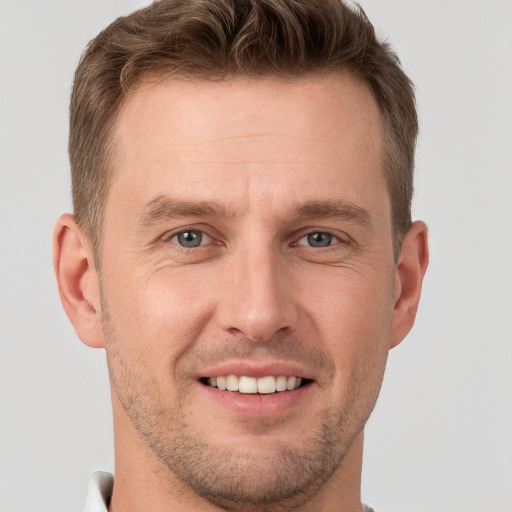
(235, 480)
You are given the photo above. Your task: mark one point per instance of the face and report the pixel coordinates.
(248, 280)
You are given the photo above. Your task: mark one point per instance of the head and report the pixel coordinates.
(222, 40)
(242, 246)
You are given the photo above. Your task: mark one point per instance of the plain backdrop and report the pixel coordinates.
(440, 438)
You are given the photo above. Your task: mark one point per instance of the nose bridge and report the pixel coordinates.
(257, 301)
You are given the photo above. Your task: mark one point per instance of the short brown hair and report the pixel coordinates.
(224, 39)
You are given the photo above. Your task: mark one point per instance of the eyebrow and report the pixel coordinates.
(333, 209)
(163, 208)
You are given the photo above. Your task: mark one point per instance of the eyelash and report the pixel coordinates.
(202, 235)
(332, 239)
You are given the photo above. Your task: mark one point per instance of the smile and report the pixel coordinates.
(251, 385)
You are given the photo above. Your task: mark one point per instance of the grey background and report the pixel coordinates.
(441, 435)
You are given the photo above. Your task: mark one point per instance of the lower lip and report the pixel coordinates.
(272, 404)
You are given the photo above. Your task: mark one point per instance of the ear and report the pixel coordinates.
(77, 280)
(410, 270)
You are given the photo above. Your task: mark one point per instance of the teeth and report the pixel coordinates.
(221, 382)
(250, 385)
(290, 383)
(247, 385)
(232, 383)
(267, 385)
(281, 383)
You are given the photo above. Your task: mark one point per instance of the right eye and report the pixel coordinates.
(190, 238)
(318, 239)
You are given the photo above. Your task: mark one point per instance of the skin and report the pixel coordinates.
(275, 162)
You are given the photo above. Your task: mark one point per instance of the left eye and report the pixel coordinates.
(318, 239)
(190, 238)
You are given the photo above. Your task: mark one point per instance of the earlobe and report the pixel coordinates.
(77, 280)
(411, 267)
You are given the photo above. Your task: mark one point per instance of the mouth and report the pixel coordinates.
(246, 385)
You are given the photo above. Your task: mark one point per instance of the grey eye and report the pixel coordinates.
(317, 239)
(190, 238)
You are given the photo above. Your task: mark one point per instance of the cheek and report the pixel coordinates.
(156, 319)
(353, 316)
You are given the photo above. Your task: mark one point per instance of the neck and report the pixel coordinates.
(143, 482)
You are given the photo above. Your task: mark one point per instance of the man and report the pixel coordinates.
(241, 247)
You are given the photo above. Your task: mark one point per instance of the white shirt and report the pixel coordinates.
(99, 492)
(100, 488)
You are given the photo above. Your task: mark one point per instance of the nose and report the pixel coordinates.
(258, 295)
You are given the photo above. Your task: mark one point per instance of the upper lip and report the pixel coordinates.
(256, 369)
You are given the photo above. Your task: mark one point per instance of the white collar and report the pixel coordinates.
(100, 488)
(99, 492)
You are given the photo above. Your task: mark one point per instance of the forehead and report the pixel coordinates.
(252, 139)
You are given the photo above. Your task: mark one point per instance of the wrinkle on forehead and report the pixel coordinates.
(238, 103)
(226, 147)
